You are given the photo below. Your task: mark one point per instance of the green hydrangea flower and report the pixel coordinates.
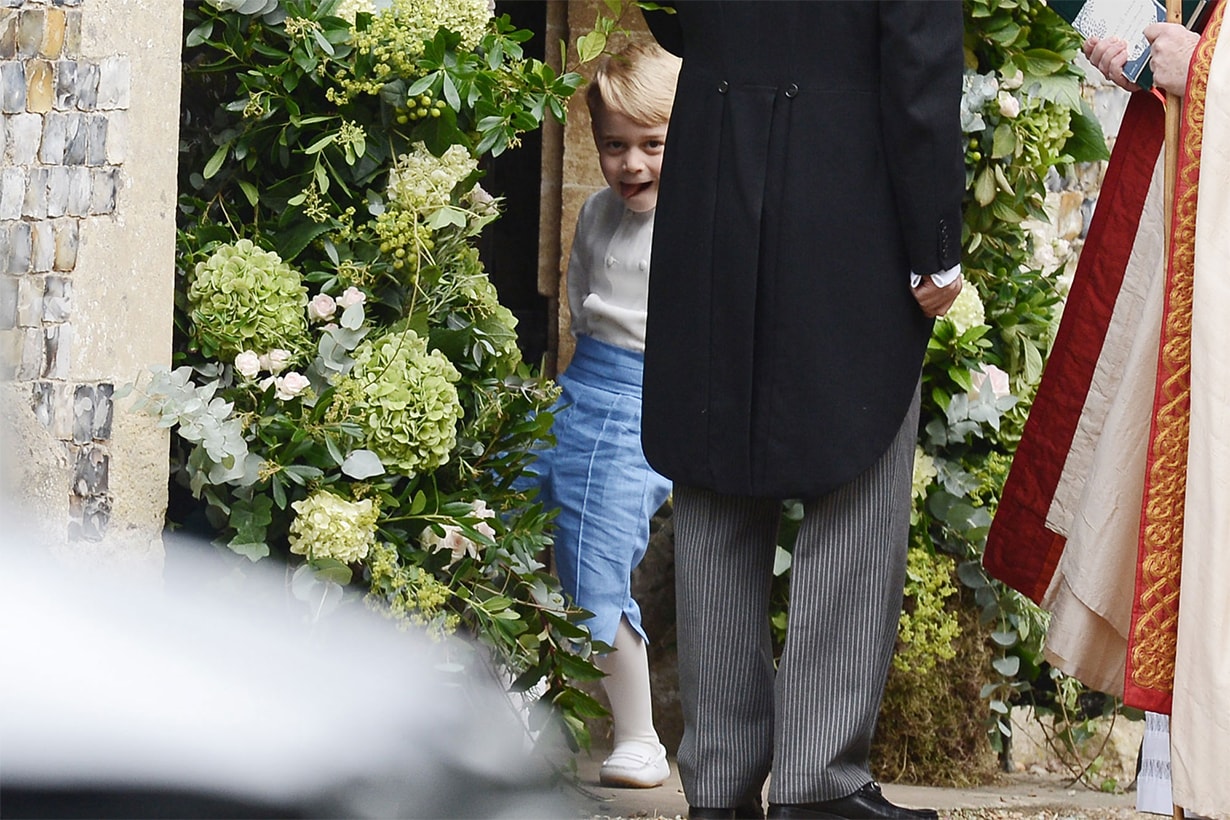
(407, 401)
(967, 310)
(924, 473)
(246, 298)
(329, 526)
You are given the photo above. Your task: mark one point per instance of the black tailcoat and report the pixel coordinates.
(813, 161)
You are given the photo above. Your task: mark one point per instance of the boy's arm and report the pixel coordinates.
(578, 270)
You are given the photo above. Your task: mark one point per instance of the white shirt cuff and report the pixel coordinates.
(942, 279)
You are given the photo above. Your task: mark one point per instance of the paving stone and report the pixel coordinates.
(8, 32)
(66, 85)
(10, 353)
(76, 139)
(12, 87)
(12, 192)
(90, 477)
(87, 85)
(31, 366)
(19, 247)
(54, 25)
(79, 191)
(57, 349)
(94, 129)
(104, 411)
(40, 86)
(25, 132)
(104, 183)
(72, 30)
(57, 190)
(67, 232)
(114, 83)
(116, 137)
(29, 32)
(57, 299)
(8, 302)
(30, 291)
(55, 137)
(35, 205)
(43, 240)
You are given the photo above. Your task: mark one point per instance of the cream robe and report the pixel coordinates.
(1097, 503)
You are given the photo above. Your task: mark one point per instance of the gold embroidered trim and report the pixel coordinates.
(1151, 659)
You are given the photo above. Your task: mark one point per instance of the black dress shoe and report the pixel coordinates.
(865, 804)
(750, 810)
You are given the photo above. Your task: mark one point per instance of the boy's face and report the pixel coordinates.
(631, 158)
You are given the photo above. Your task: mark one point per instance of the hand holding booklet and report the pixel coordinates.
(1126, 20)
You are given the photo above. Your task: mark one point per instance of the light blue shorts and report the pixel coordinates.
(598, 478)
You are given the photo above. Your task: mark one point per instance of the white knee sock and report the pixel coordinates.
(627, 688)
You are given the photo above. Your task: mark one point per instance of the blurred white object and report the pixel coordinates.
(123, 699)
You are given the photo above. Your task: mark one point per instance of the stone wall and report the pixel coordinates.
(89, 104)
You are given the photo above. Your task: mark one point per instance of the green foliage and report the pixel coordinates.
(929, 732)
(348, 395)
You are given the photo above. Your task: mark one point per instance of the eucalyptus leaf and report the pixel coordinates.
(361, 464)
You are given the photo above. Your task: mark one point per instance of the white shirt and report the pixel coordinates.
(608, 271)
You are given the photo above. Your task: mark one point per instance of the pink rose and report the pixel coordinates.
(352, 296)
(999, 380)
(322, 307)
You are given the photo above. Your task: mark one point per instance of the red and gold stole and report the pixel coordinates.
(1149, 679)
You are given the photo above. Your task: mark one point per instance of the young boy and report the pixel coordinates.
(596, 474)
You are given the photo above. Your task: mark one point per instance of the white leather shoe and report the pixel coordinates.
(635, 765)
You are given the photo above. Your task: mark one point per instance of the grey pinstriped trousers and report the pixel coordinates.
(812, 720)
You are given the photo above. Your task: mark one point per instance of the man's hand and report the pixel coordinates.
(935, 300)
(1109, 57)
(1171, 55)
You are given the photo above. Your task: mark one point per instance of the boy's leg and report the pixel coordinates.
(638, 757)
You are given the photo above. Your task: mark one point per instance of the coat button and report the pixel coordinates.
(792, 90)
(723, 87)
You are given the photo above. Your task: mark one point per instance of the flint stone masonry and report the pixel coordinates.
(86, 263)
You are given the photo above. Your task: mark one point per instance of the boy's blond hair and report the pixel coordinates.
(638, 81)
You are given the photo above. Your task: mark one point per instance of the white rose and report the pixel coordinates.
(352, 296)
(1009, 106)
(248, 364)
(321, 307)
(275, 360)
(291, 385)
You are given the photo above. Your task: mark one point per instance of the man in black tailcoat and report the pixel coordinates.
(808, 231)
